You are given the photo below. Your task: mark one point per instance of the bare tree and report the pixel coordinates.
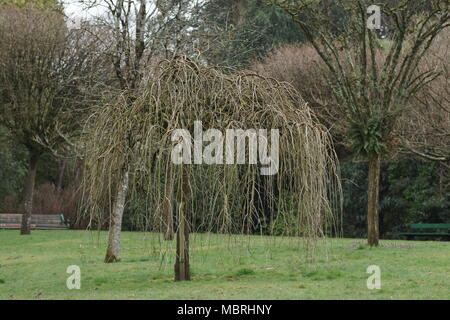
(425, 130)
(141, 32)
(183, 92)
(42, 65)
(372, 81)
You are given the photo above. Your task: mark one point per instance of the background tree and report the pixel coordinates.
(37, 3)
(141, 32)
(233, 33)
(41, 67)
(413, 188)
(425, 130)
(372, 87)
(301, 66)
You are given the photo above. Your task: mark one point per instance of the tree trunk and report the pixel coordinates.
(28, 196)
(62, 168)
(372, 200)
(182, 259)
(115, 225)
(168, 210)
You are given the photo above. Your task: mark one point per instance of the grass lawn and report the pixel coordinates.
(34, 267)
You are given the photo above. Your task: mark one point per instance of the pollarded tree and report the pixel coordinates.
(42, 68)
(372, 86)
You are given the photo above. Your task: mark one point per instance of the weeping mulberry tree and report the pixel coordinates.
(222, 195)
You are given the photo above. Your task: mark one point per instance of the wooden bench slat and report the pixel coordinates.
(38, 221)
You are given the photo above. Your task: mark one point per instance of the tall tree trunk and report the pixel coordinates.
(115, 225)
(168, 209)
(372, 202)
(28, 196)
(182, 272)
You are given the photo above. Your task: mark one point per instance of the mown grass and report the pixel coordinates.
(223, 267)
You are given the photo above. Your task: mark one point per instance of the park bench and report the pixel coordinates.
(429, 230)
(38, 221)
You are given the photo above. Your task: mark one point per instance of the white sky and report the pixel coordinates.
(76, 12)
(74, 9)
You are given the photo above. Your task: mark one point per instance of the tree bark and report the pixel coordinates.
(28, 196)
(372, 200)
(182, 272)
(168, 209)
(62, 168)
(115, 226)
